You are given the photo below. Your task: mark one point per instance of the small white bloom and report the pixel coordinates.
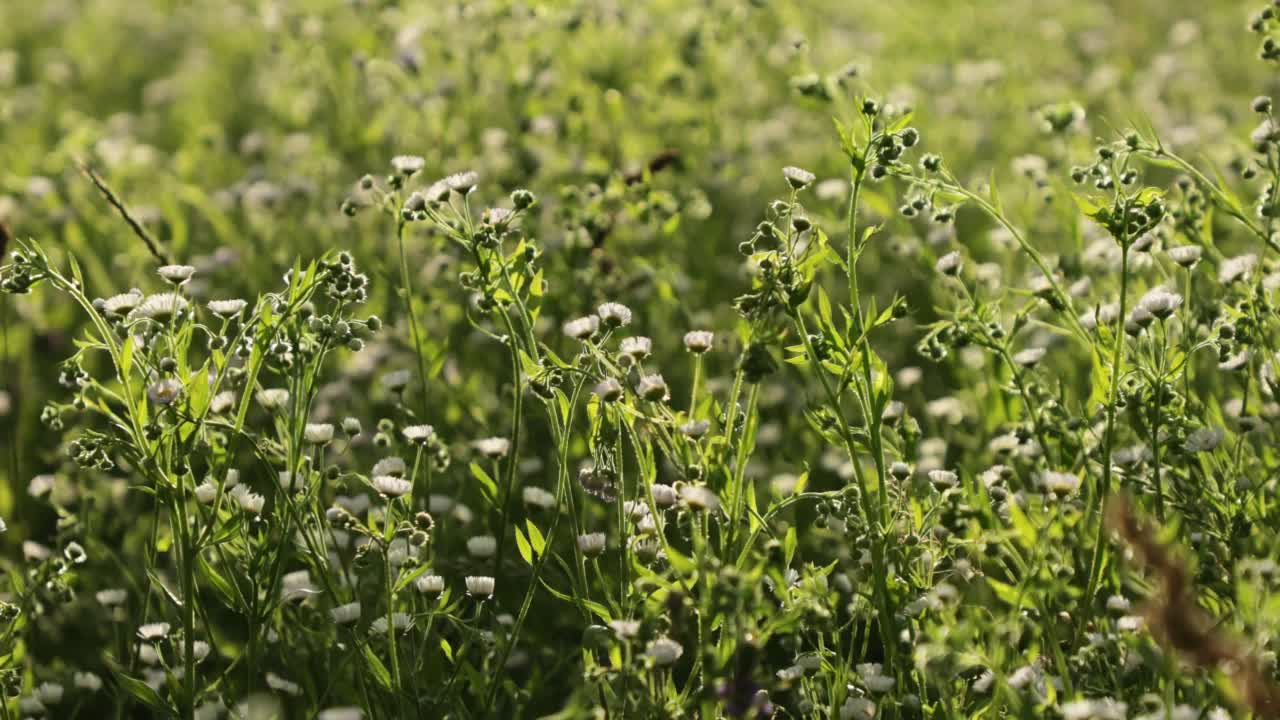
(400, 621)
(345, 614)
(123, 304)
(699, 341)
(797, 177)
(949, 264)
(318, 433)
(390, 466)
(480, 586)
(1185, 255)
(482, 546)
(1029, 357)
(418, 434)
(41, 485)
(1160, 302)
(614, 315)
(462, 183)
(493, 448)
(35, 552)
(538, 497)
(176, 274)
(341, 713)
(279, 684)
(591, 544)
(161, 308)
(273, 399)
(205, 492)
(582, 328)
(609, 390)
(637, 347)
(652, 387)
(226, 308)
(49, 693)
(407, 164)
(1236, 268)
(1205, 439)
(430, 584)
(391, 486)
(664, 651)
(699, 498)
(164, 392)
(87, 681)
(153, 631)
(111, 597)
(664, 496)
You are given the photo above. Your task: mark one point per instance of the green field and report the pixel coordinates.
(650, 359)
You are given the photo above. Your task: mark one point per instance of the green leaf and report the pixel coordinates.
(225, 590)
(486, 482)
(522, 544)
(378, 669)
(143, 693)
(536, 539)
(1007, 593)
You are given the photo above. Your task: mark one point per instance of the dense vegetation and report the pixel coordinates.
(639, 359)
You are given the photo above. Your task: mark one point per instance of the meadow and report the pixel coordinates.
(367, 360)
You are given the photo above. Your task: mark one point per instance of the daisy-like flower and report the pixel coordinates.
(1237, 361)
(206, 492)
(538, 497)
(391, 486)
(698, 341)
(664, 651)
(1236, 268)
(1185, 255)
(1160, 302)
(591, 544)
(492, 448)
(279, 684)
(121, 305)
(429, 584)
(949, 264)
(1205, 439)
(1030, 357)
(614, 315)
(318, 433)
(699, 498)
(482, 546)
(664, 496)
(582, 328)
(418, 434)
(397, 380)
(857, 708)
(797, 178)
(636, 348)
(400, 621)
(652, 387)
(943, 479)
(272, 399)
(226, 308)
(112, 597)
(176, 274)
(249, 502)
(390, 466)
(345, 712)
(1061, 484)
(408, 165)
(625, 629)
(463, 183)
(161, 308)
(87, 681)
(153, 631)
(346, 614)
(480, 586)
(695, 429)
(609, 390)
